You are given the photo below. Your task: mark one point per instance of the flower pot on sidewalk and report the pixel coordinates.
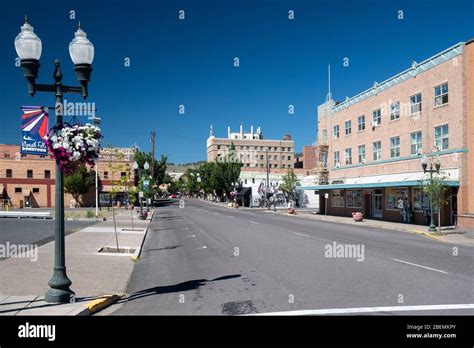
(358, 216)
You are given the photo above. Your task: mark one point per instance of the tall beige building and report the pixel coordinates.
(251, 149)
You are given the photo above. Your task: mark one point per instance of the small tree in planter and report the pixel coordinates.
(130, 190)
(79, 182)
(437, 191)
(288, 186)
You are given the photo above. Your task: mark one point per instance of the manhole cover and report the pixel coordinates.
(237, 308)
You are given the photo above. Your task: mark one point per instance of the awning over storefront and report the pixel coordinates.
(388, 180)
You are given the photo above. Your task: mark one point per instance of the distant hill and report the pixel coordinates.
(182, 167)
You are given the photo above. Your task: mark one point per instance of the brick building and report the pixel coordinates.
(29, 181)
(369, 146)
(251, 149)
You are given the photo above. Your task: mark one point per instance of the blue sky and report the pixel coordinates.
(190, 61)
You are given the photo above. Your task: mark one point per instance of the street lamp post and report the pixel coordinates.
(437, 166)
(28, 46)
(96, 121)
(138, 170)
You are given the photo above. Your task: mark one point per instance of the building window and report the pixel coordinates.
(123, 174)
(377, 146)
(47, 174)
(6, 155)
(289, 149)
(18, 190)
(275, 157)
(361, 153)
(29, 174)
(218, 147)
(395, 147)
(442, 137)
(336, 132)
(354, 198)
(9, 173)
(253, 180)
(441, 94)
(361, 123)
(261, 157)
(394, 195)
(289, 158)
(325, 135)
(337, 199)
(106, 175)
(337, 161)
(415, 103)
(415, 143)
(420, 201)
(348, 156)
(376, 117)
(36, 190)
(348, 127)
(395, 111)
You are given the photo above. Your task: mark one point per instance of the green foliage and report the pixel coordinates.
(436, 189)
(79, 182)
(90, 214)
(289, 183)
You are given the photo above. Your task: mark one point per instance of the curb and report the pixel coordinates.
(136, 257)
(99, 304)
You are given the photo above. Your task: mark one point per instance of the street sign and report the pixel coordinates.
(140, 194)
(326, 195)
(146, 184)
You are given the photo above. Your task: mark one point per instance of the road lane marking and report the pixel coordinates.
(299, 234)
(203, 247)
(191, 236)
(421, 266)
(231, 217)
(253, 222)
(371, 309)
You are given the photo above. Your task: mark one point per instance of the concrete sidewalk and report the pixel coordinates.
(95, 275)
(449, 234)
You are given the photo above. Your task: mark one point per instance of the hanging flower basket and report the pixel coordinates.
(71, 146)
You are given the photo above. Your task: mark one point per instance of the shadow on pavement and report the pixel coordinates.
(180, 287)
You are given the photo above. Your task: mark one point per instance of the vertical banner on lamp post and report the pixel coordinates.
(34, 127)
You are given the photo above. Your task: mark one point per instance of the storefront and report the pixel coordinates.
(397, 201)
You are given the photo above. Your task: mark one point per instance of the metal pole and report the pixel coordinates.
(59, 283)
(432, 227)
(140, 198)
(97, 188)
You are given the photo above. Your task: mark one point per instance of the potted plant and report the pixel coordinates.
(358, 216)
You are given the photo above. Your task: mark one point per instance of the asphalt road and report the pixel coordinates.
(206, 259)
(34, 231)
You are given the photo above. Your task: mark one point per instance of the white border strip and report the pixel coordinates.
(370, 309)
(421, 266)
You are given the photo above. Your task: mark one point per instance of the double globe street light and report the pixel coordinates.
(138, 171)
(28, 47)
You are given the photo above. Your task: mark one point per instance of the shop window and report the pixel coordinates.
(337, 199)
(354, 198)
(420, 201)
(47, 174)
(394, 195)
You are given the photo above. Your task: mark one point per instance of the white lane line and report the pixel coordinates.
(191, 236)
(421, 266)
(372, 309)
(231, 217)
(203, 247)
(299, 234)
(253, 222)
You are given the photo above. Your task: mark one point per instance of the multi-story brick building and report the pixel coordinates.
(29, 181)
(251, 149)
(369, 146)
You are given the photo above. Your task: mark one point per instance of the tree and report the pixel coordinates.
(288, 186)
(79, 182)
(437, 190)
(159, 168)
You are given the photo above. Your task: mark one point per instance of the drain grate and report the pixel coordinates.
(238, 308)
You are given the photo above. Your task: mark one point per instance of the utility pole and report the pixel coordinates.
(152, 139)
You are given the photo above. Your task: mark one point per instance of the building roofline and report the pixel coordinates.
(413, 71)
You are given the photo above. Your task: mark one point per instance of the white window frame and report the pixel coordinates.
(378, 151)
(348, 127)
(441, 95)
(338, 161)
(440, 140)
(348, 156)
(377, 117)
(416, 143)
(395, 111)
(416, 106)
(335, 133)
(361, 123)
(394, 148)
(361, 155)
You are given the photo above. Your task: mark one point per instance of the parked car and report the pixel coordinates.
(173, 195)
